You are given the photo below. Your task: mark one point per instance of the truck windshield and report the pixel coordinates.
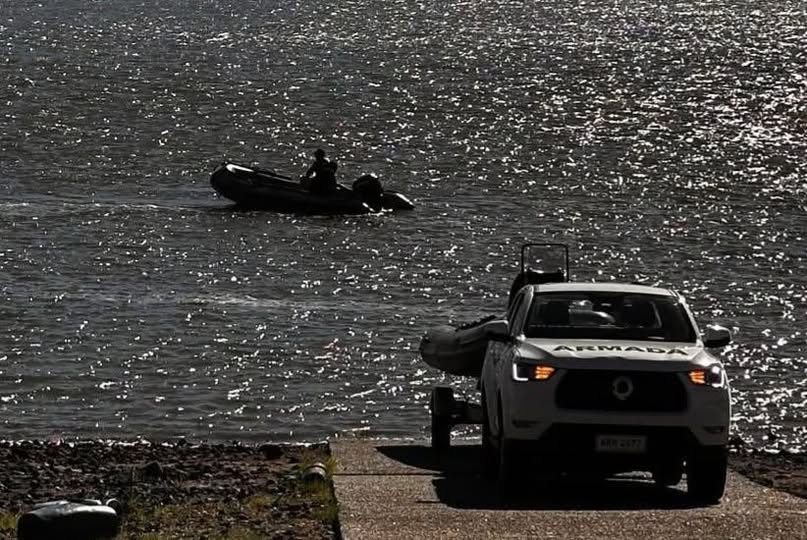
(608, 315)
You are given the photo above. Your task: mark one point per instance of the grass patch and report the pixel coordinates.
(322, 496)
(260, 503)
(319, 493)
(227, 519)
(8, 520)
(237, 534)
(173, 521)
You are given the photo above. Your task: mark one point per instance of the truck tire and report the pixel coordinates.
(507, 470)
(668, 472)
(490, 457)
(706, 469)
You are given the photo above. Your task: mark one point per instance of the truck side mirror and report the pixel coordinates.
(498, 330)
(716, 336)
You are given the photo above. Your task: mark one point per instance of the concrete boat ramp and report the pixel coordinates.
(401, 489)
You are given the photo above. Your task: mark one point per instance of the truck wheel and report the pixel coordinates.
(668, 472)
(706, 474)
(442, 404)
(507, 479)
(507, 473)
(490, 458)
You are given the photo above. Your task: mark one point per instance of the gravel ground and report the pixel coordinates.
(227, 491)
(393, 489)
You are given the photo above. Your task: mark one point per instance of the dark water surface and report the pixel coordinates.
(664, 142)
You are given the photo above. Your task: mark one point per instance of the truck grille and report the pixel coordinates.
(621, 391)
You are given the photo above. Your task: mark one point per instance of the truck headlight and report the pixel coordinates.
(713, 376)
(531, 372)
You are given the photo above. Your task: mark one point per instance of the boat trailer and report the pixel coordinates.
(446, 410)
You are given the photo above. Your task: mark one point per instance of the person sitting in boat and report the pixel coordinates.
(321, 175)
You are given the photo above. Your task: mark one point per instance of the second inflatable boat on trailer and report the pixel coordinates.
(460, 350)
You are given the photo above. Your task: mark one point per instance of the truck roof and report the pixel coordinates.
(610, 286)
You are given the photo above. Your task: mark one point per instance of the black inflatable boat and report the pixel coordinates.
(254, 188)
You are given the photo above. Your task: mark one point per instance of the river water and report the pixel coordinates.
(664, 142)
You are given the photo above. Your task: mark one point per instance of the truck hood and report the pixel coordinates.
(605, 354)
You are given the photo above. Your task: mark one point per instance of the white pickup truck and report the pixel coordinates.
(605, 378)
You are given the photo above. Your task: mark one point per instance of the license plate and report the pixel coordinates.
(621, 444)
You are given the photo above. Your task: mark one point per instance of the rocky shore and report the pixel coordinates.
(176, 491)
(181, 490)
(784, 471)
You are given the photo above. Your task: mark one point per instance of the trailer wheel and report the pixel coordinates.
(442, 406)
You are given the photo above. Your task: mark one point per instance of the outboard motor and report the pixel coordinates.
(369, 190)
